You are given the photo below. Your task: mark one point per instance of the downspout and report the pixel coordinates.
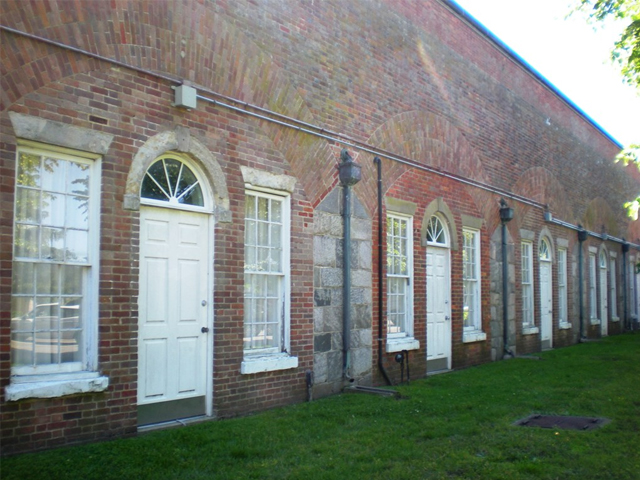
(625, 273)
(506, 214)
(350, 174)
(582, 236)
(383, 371)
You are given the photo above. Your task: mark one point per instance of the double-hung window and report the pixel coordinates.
(399, 283)
(266, 282)
(562, 289)
(55, 271)
(472, 315)
(526, 254)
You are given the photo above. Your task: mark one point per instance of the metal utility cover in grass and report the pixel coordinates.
(562, 422)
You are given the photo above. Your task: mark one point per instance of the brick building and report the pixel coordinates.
(173, 214)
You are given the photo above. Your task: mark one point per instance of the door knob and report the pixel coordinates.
(204, 303)
(447, 318)
(204, 329)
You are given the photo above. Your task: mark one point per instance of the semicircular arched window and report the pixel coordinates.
(436, 233)
(170, 180)
(544, 251)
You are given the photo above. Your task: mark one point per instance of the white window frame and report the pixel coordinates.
(275, 358)
(593, 294)
(613, 288)
(405, 339)
(528, 299)
(472, 332)
(50, 381)
(562, 290)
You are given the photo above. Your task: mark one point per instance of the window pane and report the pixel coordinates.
(276, 211)
(29, 170)
(263, 208)
(27, 205)
(26, 241)
(158, 189)
(46, 349)
(71, 280)
(53, 209)
(77, 246)
(77, 214)
(52, 243)
(47, 279)
(70, 346)
(47, 314)
(78, 179)
(53, 175)
(22, 280)
(21, 314)
(22, 347)
(71, 313)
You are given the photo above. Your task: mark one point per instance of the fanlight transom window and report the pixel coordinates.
(172, 181)
(544, 251)
(436, 232)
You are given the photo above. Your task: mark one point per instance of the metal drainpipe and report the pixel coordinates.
(383, 371)
(582, 236)
(625, 273)
(505, 289)
(350, 174)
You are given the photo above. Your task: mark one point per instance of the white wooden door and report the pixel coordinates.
(604, 305)
(438, 305)
(173, 307)
(546, 304)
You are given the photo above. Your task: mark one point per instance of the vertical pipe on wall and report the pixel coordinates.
(625, 273)
(346, 282)
(582, 236)
(349, 174)
(506, 214)
(383, 371)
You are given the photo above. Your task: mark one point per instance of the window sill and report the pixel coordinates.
(470, 337)
(530, 330)
(565, 326)
(55, 388)
(615, 319)
(399, 344)
(595, 321)
(267, 363)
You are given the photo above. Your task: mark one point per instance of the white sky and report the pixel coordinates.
(570, 54)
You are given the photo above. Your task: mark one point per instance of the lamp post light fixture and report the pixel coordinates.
(506, 212)
(348, 170)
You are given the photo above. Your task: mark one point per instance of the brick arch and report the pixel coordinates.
(541, 185)
(185, 43)
(599, 215)
(427, 139)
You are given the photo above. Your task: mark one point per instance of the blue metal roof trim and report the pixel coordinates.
(503, 46)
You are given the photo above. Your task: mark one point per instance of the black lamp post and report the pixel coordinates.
(506, 214)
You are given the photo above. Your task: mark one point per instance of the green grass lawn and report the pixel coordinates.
(457, 425)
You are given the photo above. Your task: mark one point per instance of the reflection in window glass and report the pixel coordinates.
(170, 180)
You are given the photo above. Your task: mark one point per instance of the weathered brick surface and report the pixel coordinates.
(409, 77)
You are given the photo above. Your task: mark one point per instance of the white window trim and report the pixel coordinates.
(25, 384)
(474, 333)
(529, 328)
(396, 342)
(563, 300)
(267, 360)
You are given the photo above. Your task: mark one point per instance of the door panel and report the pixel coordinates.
(438, 309)
(546, 305)
(174, 294)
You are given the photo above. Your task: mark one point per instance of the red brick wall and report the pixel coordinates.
(408, 77)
